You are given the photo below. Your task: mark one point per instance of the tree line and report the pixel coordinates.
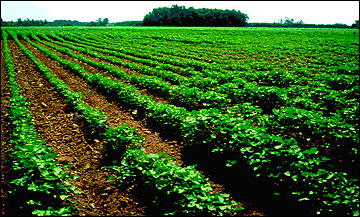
(128, 23)
(289, 22)
(32, 22)
(181, 16)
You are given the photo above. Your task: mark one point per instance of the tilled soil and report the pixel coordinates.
(5, 133)
(63, 130)
(114, 111)
(129, 71)
(172, 148)
(154, 142)
(94, 70)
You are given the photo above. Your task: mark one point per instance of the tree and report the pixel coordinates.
(355, 24)
(180, 16)
(3, 23)
(289, 21)
(19, 22)
(105, 22)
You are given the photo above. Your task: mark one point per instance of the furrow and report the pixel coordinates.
(5, 134)
(137, 58)
(216, 186)
(93, 69)
(64, 132)
(115, 112)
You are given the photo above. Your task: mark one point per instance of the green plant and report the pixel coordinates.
(185, 190)
(36, 169)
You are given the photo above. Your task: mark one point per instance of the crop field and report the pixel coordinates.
(179, 121)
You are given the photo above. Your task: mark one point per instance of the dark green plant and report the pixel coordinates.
(36, 170)
(185, 190)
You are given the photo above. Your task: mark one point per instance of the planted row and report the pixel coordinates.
(39, 183)
(169, 75)
(188, 65)
(307, 173)
(266, 69)
(267, 95)
(269, 155)
(239, 90)
(180, 95)
(187, 195)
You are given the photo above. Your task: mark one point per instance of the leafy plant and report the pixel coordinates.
(185, 191)
(36, 169)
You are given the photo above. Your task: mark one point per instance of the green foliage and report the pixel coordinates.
(180, 16)
(191, 98)
(185, 190)
(283, 101)
(37, 171)
(129, 23)
(121, 137)
(193, 191)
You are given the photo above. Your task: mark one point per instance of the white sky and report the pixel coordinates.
(311, 12)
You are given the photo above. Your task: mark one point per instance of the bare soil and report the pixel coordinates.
(114, 111)
(127, 70)
(5, 133)
(64, 131)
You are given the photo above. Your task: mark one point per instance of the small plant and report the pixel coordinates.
(37, 173)
(184, 189)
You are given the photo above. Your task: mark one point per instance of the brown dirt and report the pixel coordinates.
(153, 143)
(114, 111)
(92, 69)
(127, 70)
(5, 133)
(63, 130)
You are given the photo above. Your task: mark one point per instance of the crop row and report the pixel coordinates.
(242, 87)
(271, 56)
(229, 131)
(142, 56)
(190, 98)
(239, 91)
(255, 66)
(197, 79)
(157, 69)
(189, 191)
(171, 76)
(199, 71)
(190, 65)
(311, 124)
(315, 95)
(38, 179)
(322, 98)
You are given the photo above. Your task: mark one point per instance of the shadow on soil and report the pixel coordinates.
(240, 181)
(18, 206)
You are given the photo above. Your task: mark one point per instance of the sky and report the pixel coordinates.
(310, 12)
